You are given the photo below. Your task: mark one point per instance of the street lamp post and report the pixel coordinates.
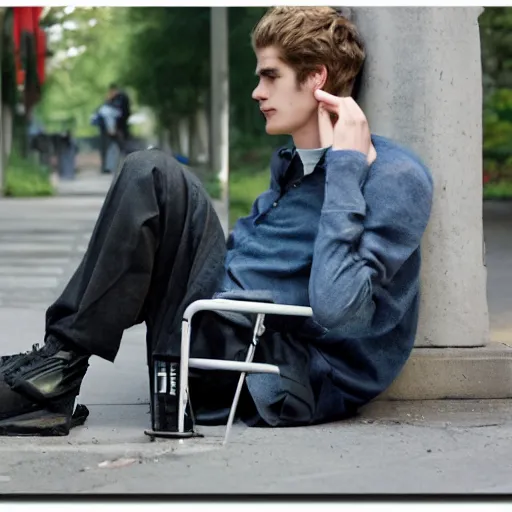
(219, 124)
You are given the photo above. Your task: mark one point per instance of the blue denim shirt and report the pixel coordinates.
(344, 240)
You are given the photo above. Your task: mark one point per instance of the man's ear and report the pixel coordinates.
(319, 77)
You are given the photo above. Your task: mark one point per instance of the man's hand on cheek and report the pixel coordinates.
(350, 129)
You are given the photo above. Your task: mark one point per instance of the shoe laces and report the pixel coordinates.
(29, 359)
(6, 359)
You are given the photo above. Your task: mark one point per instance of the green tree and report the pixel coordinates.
(496, 44)
(250, 145)
(168, 64)
(88, 52)
(245, 118)
(168, 60)
(496, 37)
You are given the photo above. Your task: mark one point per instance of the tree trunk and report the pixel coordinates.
(6, 130)
(183, 136)
(192, 136)
(174, 139)
(202, 135)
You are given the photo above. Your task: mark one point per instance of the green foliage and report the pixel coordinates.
(163, 55)
(87, 58)
(498, 122)
(496, 43)
(167, 60)
(496, 36)
(244, 186)
(169, 67)
(24, 178)
(212, 185)
(246, 120)
(499, 190)
(250, 146)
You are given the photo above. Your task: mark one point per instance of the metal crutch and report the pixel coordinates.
(259, 329)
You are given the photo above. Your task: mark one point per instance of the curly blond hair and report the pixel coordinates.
(308, 37)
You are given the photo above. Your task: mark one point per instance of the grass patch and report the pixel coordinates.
(499, 190)
(209, 179)
(244, 186)
(212, 185)
(25, 178)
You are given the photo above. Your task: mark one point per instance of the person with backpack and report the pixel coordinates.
(106, 118)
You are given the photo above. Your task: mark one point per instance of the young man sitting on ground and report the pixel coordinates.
(339, 230)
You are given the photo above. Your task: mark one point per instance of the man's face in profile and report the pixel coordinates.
(287, 106)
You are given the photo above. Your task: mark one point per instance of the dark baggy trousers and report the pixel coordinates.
(158, 246)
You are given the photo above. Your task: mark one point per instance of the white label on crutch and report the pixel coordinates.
(173, 379)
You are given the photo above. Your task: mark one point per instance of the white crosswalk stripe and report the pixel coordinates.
(41, 243)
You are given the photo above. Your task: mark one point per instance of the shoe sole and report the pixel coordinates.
(44, 422)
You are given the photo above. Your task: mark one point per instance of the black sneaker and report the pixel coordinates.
(47, 374)
(7, 361)
(38, 390)
(12, 403)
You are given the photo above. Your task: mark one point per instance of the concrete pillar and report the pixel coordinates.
(184, 136)
(202, 135)
(220, 102)
(422, 87)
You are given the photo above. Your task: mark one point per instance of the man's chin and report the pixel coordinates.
(275, 130)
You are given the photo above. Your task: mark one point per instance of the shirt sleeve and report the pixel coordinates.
(350, 259)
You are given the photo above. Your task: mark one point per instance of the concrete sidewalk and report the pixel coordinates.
(392, 447)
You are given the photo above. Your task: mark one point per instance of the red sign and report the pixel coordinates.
(26, 28)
